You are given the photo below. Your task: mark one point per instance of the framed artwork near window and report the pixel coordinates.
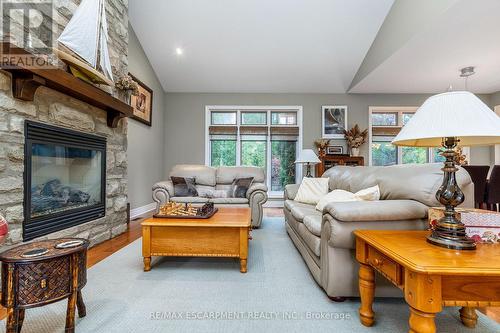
(334, 121)
(334, 150)
(142, 103)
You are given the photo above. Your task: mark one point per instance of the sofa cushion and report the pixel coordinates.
(313, 223)
(203, 175)
(229, 200)
(226, 175)
(311, 190)
(382, 210)
(302, 210)
(205, 191)
(312, 241)
(189, 199)
(396, 182)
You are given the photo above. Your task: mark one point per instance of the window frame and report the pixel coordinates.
(400, 110)
(259, 108)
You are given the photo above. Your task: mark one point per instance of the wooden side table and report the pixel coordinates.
(37, 281)
(431, 277)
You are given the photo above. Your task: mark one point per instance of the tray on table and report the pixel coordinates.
(174, 210)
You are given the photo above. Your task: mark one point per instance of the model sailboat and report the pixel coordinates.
(86, 38)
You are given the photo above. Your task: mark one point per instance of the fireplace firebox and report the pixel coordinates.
(64, 179)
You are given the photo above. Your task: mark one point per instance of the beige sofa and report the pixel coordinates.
(209, 178)
(325, 239)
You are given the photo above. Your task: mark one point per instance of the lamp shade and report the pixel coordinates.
(307, 156)
(458, 114)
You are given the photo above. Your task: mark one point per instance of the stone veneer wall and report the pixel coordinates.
(58, 109)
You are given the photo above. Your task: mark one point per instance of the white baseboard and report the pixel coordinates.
(140, 211)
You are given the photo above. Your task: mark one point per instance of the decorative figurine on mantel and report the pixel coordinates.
(355, 139)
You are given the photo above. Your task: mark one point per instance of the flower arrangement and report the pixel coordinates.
(321, 144)
(126, 83)
(355, 137)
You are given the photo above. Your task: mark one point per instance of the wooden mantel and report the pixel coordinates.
(26, 79)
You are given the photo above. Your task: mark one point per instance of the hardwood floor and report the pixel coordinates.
(107, 248)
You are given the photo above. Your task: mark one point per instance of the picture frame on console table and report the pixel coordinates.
(142, 103)
(334, 150)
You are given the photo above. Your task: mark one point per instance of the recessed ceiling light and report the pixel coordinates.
(179, 51)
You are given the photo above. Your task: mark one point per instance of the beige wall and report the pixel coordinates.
(185, 118)
(145, 144)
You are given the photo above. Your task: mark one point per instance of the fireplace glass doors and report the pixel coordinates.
(64, 179)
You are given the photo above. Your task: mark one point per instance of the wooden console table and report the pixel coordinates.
(328, 161)
(37, 281)
(431, 277)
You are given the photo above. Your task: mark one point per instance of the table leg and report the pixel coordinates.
(70, 313)
(146, 247)
(82, 310)
(468, 316)
(243, 249)
(243, 265)
(147, 264)
(421, 322)
(12, 320)
(20, 320)
(366, 293)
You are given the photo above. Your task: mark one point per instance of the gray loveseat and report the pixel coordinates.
(325, 239)
(208, 179)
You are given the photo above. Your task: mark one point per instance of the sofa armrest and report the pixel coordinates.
(381, 210)
(257, 196)
(291, 191)
(256, 187)
(162, 192)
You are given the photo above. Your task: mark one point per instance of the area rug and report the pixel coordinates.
(278, 294)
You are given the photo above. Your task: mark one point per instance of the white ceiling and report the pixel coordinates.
(467, 34)
(257, 45)
(315, 46)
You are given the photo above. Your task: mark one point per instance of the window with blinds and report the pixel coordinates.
(385, 124)
(266, 138)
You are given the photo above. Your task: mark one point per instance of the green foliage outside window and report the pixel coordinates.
(223, 152)
(414, 155)
(282, 164)
(384, 153)
(253, 153)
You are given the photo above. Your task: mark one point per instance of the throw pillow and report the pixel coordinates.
(369, 194)
(240, 187)
(184, 187)
(335, 196)
(311, 190)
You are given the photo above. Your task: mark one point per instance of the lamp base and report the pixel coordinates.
(450, 231)
(451, 240)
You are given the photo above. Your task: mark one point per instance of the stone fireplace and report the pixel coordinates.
(72, 190)
(64, 178)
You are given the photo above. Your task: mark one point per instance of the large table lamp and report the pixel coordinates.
(308, 157)
(446, 120)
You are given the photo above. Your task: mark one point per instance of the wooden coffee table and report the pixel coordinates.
(430, 276)
(225, 234)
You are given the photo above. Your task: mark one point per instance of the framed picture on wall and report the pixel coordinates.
(334, 150)
(142, 103)
(334, 121)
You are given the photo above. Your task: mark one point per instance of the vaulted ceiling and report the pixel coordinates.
(319, 46)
